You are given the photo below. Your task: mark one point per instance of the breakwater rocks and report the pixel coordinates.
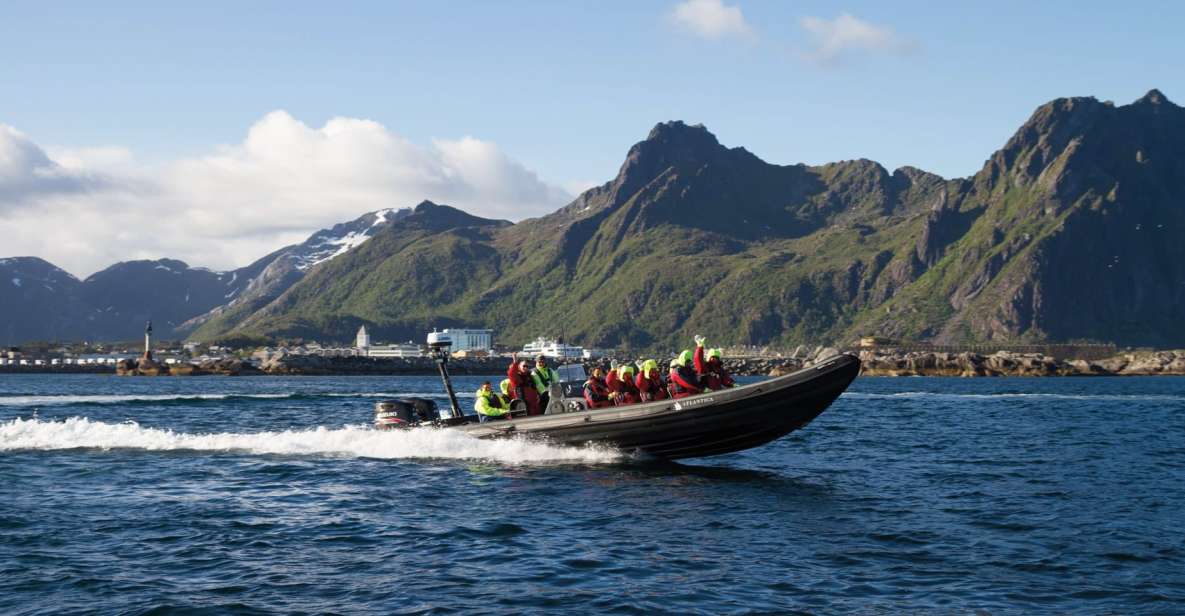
(149, 367)
(876, 363)
(317, 365)
(1005, 363)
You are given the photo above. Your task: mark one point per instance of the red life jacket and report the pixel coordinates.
(716, 376)
(625, 387)
(684, 382)
(596, 394)
(522, 387)
(650, 388)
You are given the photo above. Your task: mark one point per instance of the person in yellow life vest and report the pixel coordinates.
(490, 405)
(543, 376)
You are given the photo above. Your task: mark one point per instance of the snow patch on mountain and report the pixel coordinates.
(332, 243)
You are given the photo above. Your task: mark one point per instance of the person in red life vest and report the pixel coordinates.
(621, 385)
(710, 368)
(649, 382)
(718, 376)
(611, 383)
(596, 394)
(522, 386)
(683, 380)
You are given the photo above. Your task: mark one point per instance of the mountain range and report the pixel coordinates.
(44, 302)
(1071, 232)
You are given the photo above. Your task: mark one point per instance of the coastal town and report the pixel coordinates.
(475, 351)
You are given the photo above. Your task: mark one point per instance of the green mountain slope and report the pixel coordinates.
(1079, 237)
(1070, 232)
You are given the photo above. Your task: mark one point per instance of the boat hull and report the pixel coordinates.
(708, 424)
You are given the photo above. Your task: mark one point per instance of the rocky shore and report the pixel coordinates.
(1004, 363)
(877, 362)
(150, 367)
(317, 365)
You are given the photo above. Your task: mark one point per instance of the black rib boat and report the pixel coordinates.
(708, 424)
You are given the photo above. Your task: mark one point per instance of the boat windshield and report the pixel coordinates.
(572, 372)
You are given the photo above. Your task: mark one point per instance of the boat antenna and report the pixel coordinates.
(438, 346)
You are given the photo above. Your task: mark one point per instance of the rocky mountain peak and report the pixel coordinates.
(425, 207)
(680, 134)
(1154, 97)
(438, 217)
(673, 144)
(33, 268)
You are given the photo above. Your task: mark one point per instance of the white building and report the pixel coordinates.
(395, 350)
(471, 339)
(552, 348)
(362, 341)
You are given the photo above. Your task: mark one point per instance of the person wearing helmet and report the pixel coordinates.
(649, 382)
(611, 382)
(710, 367)
(683, 379)
(596, 394)
(621, 385)
(522, 386)
(490, 405)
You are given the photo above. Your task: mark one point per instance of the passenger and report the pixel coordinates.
(621, 385)
(543, 376)
(711, 369)
(522, 387)
(611, 382)
(649, 382)
(490, 405)
(596, 394)
(683, 379)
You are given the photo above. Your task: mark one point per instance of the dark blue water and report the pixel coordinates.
(269, 495)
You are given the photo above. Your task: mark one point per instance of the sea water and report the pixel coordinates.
(273, 495)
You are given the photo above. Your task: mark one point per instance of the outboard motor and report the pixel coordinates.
(404, 413)
(408, 412)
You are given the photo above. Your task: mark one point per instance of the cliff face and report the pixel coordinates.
(1074, 237)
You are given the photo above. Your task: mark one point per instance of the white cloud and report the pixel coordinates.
(84, 209)
(26, 171)
(834, 39)
(710, 19)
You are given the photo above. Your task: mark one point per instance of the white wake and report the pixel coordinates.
(350, 441)
(58, 400)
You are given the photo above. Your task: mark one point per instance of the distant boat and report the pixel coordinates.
(553, 348)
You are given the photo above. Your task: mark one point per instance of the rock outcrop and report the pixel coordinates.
(228, 366)
(1004, 363)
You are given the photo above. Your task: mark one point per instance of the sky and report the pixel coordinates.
(216, 132)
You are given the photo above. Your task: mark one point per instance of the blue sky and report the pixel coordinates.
(562, 89)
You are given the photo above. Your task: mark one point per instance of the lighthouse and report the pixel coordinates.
(148, 340)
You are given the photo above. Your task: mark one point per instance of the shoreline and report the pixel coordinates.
(876, 363)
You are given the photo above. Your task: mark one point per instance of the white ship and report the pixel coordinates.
(554, 349)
